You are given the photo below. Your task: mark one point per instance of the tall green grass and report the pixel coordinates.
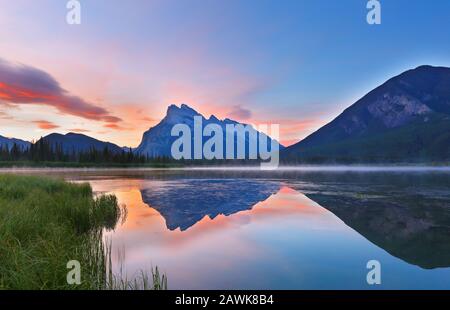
(45, 223)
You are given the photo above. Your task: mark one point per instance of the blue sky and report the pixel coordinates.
(297, 63)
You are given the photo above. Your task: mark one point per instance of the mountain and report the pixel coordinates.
(9, 142)
(157, 141)
(407, 119)
(78, 143)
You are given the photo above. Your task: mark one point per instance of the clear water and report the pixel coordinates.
(299, 229)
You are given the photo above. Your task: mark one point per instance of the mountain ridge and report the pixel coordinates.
(157, 141)
(9, 142)
(79, 143)
(414, 105)
(405, 119)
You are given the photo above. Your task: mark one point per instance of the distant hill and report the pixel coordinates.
(407, 119)
(9, 142)
(78, 143)
(157, 141)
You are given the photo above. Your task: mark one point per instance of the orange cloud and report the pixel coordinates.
(149, 119)
(21, 84)
(115, 126)
(45, 125)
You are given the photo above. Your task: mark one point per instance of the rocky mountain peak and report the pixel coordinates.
(177, 114)
(157, 140)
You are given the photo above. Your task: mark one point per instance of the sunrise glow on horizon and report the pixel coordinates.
(113, 76)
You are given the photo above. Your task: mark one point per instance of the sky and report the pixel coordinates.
(295, 63)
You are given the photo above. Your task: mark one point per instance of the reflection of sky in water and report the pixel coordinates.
(285, 241)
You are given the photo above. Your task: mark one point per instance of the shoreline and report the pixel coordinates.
(302, 168)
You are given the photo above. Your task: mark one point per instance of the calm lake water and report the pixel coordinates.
(302, 229)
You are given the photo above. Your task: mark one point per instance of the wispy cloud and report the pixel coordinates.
(4, 115)
(240, 113)
(149, 119)
(79, 130)
(46, 125)
(22, 84)
(115, 126)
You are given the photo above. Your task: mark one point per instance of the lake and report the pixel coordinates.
(309, 228)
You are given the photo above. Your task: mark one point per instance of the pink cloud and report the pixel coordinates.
(4, 115)
(22, 84)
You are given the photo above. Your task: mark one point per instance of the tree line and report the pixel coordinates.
(43, 151)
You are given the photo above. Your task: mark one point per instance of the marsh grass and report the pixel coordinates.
(45, 223)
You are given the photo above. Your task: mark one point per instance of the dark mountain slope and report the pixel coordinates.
(407, 119)
(78, 143)
(9, 143)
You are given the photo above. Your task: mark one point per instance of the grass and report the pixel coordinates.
(45, 223)
(143, 281)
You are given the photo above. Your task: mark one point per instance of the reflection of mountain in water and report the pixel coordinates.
(408, 215)
(409, 218)
(183, 203)
(418, 232)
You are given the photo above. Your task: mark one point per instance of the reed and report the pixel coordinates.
(45, 223)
